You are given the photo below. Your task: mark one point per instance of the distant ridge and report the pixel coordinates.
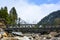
(23, 22)
(50, 19)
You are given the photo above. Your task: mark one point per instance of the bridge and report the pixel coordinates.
(29, 28)
(22, 26)
(32, 30)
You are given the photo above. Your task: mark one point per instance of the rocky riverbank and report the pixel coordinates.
(28, 36)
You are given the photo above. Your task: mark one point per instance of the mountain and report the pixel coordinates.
(52, 19)
(23, 22)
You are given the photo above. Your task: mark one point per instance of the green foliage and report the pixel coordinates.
(13, 16)
(4, 13)
(57, 21)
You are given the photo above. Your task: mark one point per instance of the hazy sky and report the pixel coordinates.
(32, 11)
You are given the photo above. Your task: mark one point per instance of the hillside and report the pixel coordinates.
(52, 19)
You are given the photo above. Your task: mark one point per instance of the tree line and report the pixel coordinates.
(11, 17)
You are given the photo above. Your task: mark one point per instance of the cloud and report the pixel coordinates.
(33, 13)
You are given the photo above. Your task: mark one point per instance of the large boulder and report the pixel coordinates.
(52, 34)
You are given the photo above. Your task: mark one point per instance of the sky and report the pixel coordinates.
(32, 11)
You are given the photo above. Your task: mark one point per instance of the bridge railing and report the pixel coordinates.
(31, 26)
(22, 26)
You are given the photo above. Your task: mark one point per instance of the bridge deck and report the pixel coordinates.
(33, 30)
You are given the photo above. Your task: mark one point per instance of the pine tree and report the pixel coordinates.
(13, 16)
